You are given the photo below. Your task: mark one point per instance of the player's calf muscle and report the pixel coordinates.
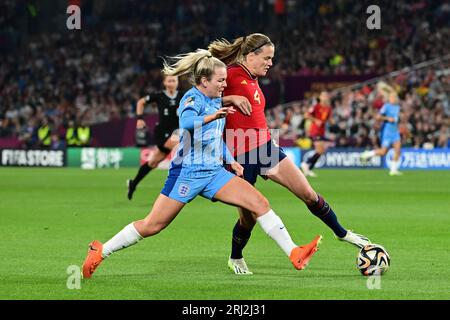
(247, 219)
(301, 188)
(309, 197)
(148, 228)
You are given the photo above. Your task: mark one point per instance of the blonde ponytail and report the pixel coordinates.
(235, 52)
(198, 64)
(225, 51)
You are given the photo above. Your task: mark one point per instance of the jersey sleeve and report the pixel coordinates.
(189, 112)
(152, 97)
(383, 110)
(227, 157)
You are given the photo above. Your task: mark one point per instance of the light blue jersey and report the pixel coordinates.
(389, 130)
(197, 168)
(201, 149)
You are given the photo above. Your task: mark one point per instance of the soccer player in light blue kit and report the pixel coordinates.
(389, 134)
(198, 168)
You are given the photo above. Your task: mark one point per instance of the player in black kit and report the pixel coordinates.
(167, 102)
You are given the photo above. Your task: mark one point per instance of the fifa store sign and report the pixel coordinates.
(33, 158)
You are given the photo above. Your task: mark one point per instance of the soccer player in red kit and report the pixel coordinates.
(319, 114)
(250, 142)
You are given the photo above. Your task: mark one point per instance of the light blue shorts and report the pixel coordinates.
(389, 138)
(185, 188)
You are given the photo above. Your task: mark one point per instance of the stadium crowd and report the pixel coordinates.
(79, 78)
(424, 119)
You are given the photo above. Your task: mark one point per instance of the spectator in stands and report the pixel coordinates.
(84, 134)
(57, 143)
(28, 134)
(100, 72)
(44, 133)
(71, 135)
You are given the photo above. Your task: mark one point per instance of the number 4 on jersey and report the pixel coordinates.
(257, 97)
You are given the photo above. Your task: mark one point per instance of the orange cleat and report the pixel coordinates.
(93, 259)
(301, 255)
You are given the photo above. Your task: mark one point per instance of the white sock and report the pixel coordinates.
(274, 227)
(371, 153)
(125, 238)
(395, 165)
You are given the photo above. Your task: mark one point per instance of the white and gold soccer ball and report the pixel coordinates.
(373, 259)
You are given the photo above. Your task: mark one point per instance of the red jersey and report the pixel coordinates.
(254, 131)
(322, 113)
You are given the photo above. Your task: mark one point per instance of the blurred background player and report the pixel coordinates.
(166, 139)
(389, 114)
(319, 115)
(249, 139)
(198, 171)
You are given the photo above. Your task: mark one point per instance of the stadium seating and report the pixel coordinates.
(97, 76)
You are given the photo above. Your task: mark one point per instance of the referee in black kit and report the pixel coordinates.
(167, 102)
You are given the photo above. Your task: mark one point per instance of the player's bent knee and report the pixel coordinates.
(260, 205)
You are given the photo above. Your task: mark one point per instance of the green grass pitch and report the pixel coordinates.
(48, 217)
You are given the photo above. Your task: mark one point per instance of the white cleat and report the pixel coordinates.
(312, 174)
(395, 173)
(239, 267)
(306, 171)
(365, 157)
(356, 239)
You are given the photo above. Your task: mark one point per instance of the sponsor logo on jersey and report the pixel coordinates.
(243, 82)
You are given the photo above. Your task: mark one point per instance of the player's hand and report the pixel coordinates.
(243, 104)
(223, 112)
(237, 168)
(390, 119)
(140, 124)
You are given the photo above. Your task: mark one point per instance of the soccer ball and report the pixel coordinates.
(373, 259)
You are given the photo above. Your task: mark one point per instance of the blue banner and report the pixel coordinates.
(411, 159)
(343, 158)
(434, 159)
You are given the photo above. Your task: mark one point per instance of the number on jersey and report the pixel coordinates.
(257, 97)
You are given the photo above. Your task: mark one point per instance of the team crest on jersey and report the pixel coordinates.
(183, 190)
(189, 102)
(243, 82)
